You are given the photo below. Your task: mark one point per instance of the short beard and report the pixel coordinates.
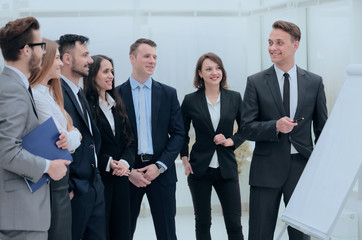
(34, 63)
(75, 70)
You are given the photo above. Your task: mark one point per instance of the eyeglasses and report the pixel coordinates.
(42, 45)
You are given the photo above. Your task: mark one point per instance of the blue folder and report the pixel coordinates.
(41, 142)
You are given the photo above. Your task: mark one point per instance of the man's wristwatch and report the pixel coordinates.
(161, 169)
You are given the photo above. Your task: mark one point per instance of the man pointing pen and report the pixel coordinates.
(273, 98)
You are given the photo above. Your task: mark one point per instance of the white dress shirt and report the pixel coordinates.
(214, 111)
(293, 82)
(47, 107)
(107, 110)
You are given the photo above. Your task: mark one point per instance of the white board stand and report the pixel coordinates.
(333, 167)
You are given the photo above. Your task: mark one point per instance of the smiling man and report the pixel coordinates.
(273, 99)
(85, 184)
(155, 116)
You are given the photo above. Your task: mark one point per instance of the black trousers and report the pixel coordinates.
(162, 199)
(61, 211)
(88, 213)
(228, 192)
(265, 202)
(116, 195)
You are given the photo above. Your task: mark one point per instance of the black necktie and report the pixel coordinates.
(286, 94)
(82, 102)
(31, 92)
(32, 98)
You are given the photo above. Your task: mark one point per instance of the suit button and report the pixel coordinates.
(91, 146)
(92, 165)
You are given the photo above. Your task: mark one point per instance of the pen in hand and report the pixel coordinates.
(298, 120)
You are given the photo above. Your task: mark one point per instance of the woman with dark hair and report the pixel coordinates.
(117, 152)
(213, 109)
(48, 97)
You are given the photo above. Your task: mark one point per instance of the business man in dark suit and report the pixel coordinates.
(85, 184)
(23, 214)
(155, 115)
(273, 99)
(213, 110)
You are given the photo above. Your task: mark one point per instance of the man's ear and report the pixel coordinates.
(67, 58)
(25, 51)
(296, 45)
(132, 58)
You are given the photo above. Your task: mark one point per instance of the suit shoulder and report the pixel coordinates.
(260, 75)
(191, 96)
(232, 92)
(163, 86)
(309, 74)
(120, 88)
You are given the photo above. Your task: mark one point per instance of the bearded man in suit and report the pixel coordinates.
(23, 214)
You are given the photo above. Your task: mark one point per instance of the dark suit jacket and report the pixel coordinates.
(167, 126)
(112, 145)
(195, 110)
(82, 169)
(263, 106)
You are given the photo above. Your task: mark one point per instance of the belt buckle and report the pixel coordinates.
(144, 160)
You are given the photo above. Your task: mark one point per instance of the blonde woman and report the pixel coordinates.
(48, 99)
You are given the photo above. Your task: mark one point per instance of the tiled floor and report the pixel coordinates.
(185, 227)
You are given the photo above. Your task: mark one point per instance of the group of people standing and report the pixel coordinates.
(124, 140)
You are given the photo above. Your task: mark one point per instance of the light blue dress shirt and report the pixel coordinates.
(147, 89)
(148, 94)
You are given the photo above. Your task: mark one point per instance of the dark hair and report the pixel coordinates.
(198, 81)
(288, 27)
(15, 35)
(67, 42)
(92, 95)
(137, 43)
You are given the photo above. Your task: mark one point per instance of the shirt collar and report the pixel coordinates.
(110, 101)
(292, 73)
(41, 88)
(134, 83)
(23, 78)
(75, 88)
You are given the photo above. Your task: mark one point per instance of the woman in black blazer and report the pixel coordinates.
(116, 155)
(213, 109)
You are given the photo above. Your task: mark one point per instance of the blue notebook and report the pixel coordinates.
(41, 142)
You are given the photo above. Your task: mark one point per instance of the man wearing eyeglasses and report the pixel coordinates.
(23, 215)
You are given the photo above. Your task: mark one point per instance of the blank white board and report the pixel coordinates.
(332, 169)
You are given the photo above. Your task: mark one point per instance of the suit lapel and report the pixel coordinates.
(72, 97)
(128, 101)
(117, 125)
(203, 108)
(13, 75)
(155, 104)
(224, 106)
(302, 81)
(272, 81)
(106, 126)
